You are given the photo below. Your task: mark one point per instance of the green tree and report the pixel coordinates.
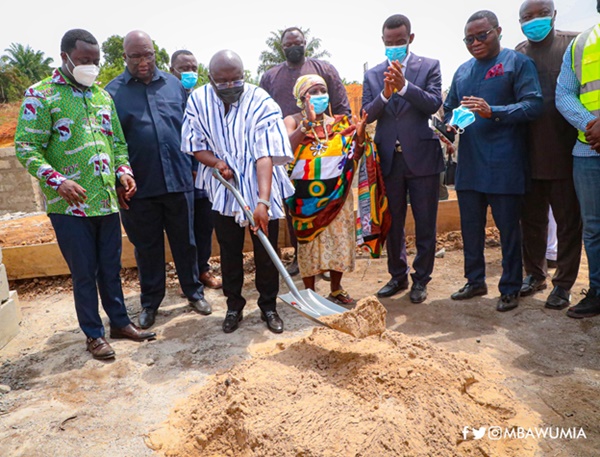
(274, 55)
(12, 83)
(31, 63)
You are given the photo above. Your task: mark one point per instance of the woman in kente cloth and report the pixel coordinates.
(327, 150)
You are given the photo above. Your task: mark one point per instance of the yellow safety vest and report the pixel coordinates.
(585, 53)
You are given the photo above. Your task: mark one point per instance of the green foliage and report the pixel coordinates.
(274, 54)
(32, 64)
(112, 52)
(12, 83)
(202, 75)
(249, 78)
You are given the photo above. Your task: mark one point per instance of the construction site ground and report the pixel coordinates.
(55, 400)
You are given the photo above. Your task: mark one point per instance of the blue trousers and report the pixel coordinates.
(145, 222)
(91, 247)
(506, 210)
(203, 230)
(424, 192)
(586, 175)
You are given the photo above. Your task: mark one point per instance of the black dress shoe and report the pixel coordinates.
(469, 291)
(507, 302)
(273, 321)
(131, 332)
(147, 317)
(531, 285)
(202, 306)
(559, 298)
(232, 321)
(392, 288)
(588, 307)
(418, 293)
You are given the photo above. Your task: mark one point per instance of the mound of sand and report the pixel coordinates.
(367, 318)
(330, 394)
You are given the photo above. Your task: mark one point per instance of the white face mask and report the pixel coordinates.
(84, 74)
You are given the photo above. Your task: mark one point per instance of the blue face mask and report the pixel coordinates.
(537, 29)
(189, 79)
(462, 117)
(319, 103)
(396, 52)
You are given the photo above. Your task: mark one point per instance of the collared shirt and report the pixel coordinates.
(568, 103)
(253, 128)
(151, 116)
(551, 137)
(493, 152)
(279, 83)
(68, 133)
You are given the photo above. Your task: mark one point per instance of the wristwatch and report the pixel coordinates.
(267, 203)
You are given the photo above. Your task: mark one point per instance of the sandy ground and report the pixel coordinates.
(61, 402)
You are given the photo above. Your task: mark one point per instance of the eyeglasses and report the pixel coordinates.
(137, 58)
(481, 37)
(227, 85)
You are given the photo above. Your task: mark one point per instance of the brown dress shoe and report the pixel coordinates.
(100, 348)
(131, 332)
(210, 281)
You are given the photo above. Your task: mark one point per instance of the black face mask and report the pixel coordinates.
(231, 94)
(294, 54)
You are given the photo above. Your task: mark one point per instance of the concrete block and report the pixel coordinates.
(13, 295)
(9, 321)
(3, 284)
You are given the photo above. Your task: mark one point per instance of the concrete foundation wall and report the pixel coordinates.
(10, 312)
(19, 191)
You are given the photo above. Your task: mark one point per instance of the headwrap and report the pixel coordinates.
(302, 86)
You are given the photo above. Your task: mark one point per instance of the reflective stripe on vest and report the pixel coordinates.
(585, 54)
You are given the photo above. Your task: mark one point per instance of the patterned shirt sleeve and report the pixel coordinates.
(122, 165)
(32, 136)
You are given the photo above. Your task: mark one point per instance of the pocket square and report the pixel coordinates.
(496, 70)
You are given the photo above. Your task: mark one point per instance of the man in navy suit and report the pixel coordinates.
(401, 94)
(501, 87)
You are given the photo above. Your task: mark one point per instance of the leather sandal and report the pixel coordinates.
(341, 297)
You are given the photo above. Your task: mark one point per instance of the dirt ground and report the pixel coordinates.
(55, 400)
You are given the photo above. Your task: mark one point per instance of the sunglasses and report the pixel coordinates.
(227, 85)
(481, 37)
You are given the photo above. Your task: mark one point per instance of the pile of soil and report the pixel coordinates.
(330, 394)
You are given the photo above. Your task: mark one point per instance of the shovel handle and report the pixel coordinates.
(259, 233)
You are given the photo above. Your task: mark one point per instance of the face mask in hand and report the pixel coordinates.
(396, 52)
(462, 117)
(231, 94)
(319, 103)
(537, 29)
(189, 79)
(294, 54)
(84, 74)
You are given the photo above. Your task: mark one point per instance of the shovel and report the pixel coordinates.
(306, 302)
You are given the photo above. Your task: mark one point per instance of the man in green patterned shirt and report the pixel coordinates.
(69, 137)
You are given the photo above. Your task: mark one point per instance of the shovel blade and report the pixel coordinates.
(310, 304)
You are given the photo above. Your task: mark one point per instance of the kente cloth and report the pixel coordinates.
(322, 175)
(373, 218)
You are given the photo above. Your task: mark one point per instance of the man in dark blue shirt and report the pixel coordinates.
(150, 104)
(184, 67)
(501, 87)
